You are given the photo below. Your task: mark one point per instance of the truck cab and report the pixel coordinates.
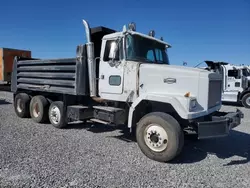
(122, 55)
(236, 86)
(124, 78)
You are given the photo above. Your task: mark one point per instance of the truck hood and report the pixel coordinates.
(179, 80)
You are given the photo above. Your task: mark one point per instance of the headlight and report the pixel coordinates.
(192, 104)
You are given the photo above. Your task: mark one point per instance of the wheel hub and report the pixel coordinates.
(156, 137)
(55, 115)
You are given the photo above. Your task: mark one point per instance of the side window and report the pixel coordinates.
(107, 50)
(115, 80)
(121, 49)
(129, 47)
(150, 55)
(233, 73)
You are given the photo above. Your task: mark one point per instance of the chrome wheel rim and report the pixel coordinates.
(156, 138)
(55, 115)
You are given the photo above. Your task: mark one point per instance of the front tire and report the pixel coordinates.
(21, 105)
(39, 109)
(57, 114)
(159, 136)
(246, 100)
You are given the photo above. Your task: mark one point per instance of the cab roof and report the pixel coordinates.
(117, 34)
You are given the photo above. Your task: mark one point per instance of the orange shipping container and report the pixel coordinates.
(7, 56)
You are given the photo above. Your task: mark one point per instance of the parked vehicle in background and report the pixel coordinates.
(7, 56)
(124, 78)
(236, 84)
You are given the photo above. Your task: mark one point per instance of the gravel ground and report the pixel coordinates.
(38, 155)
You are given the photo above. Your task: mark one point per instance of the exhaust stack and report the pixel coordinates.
(91, 61)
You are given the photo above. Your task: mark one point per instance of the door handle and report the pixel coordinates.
(102, 76)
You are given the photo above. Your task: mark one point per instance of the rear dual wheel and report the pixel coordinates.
(21, 105)
(57, 115)
(39, 106)
(42, 111)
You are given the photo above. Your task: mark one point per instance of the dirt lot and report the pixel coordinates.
(38, 155)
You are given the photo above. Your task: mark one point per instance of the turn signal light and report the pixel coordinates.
(187, 94)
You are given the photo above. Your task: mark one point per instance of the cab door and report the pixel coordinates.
(111, 70)
(234, 82)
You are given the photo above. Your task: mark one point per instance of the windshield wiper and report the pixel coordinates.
(142, 59)
(161, 62)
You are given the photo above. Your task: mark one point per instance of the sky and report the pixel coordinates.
(198, 30)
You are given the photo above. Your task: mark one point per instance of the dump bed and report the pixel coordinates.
(7, 56)
(66, 76)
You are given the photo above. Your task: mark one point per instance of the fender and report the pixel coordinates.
(179, 103)
(243, 93)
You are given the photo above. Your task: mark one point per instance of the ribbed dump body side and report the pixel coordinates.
(65, 76)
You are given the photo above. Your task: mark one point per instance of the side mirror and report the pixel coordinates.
(114, 49)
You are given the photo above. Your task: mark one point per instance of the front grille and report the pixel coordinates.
(214, 93)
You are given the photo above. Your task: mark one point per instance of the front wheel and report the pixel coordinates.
(246, 100)
(159, 136)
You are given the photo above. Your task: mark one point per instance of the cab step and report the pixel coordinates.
(99, 121)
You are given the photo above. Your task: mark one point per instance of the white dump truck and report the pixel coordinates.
(124, 78)
(236, 84)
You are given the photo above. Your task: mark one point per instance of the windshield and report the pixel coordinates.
(142, 49)
(246, 72)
